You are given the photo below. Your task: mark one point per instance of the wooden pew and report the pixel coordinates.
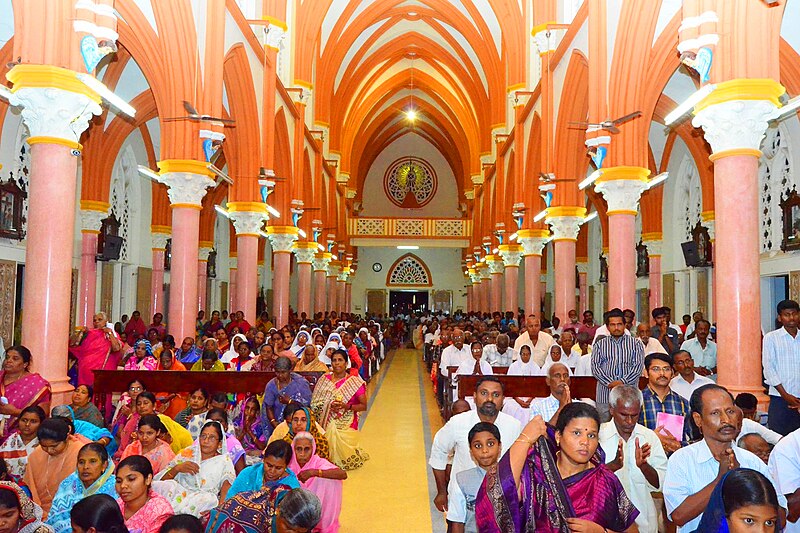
(535, 386)
(111, 381)
(449, 388)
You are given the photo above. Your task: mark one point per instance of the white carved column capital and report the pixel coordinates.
(735, 124)
(92, 220)
(233, 263)
(583, 268)
(622, 194)
(495, 264)
(304, 254)
(186, 188)
(654, 248)
(511, 254)
(565, 227)
(203, 253)
(282, 242)
(321, 261)
(483, 271)
(159, 240)
(53, 112)
(247, 222)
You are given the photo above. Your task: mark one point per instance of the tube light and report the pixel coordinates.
(335, 257)
(591, 216)
(274, 212)
(5, 93)
(147, 172)
(496, 251)
(540, 216)
(590, 179)
(222, 211)
(657, 180)
(513, 237)
(263, 234)
(408, 247)
(107, 94)
(301, 233)
(321, 248)
(220, 175)
(781, 112)
(689, 103)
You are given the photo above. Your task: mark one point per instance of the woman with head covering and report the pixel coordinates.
(249, 427)
(319, 476)
(29, 515)
(197, 405)
(146, 405)
(94, 474)
(333, 344)
(743, 500)
(363, 342)
(199, 477)
(83, 407)
(142, 357)
(85, 429)
(299, 344)
(555, 481)
(519, 407)
(171, 403)
(555, 355)
(149, 443)
(144, 509)
(284, 388)
(21, 387)
(243, 361)
(231, 353)
(95, 349)
(272, 470)
(309, 361)
(52, 461)
(303, 421)
(278, 510)
(19, 445)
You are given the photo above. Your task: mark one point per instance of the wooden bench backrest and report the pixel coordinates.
(535, 386)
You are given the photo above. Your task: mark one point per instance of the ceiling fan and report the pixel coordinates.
(192, 114)
(608, 125)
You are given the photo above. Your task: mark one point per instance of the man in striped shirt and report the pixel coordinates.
(781, 361)
(616, 360)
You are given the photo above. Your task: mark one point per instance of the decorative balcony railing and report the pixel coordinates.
(432, 228)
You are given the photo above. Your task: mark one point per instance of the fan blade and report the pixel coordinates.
(611, 129)
(172, 119)
(626, 118)
(206, 118)
(189, 108)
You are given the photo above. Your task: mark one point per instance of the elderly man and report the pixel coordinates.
(751, 421)
(455, 354)
(650, 344)
(500, 353)
(634, 453)
(686, 380)
(784, 465)
(539, 341)
(572, 351)
(755, 444)
(452, 437)
(657, 398)
(616, 360)
(549, 408)
(703, 349)
(694, 471)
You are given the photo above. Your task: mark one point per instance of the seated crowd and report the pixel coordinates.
(660, 446)
(199, 460)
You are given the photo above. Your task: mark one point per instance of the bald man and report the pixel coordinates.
(455, 354)
(651, 345)
(538, 341)
(549, 408)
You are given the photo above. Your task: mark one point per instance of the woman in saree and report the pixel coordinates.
(301, 421)
(142, 358)
(333, 344)
(208, 362)
(83, 408)
(20, 444)
(198, 404)
(309, 361)
(519, 407)
(233, 447)
(744, 500)
(265, 360)
(94, 474)
(170, 403)
(278, 510)
(89, 432)
(232, 351)
(338, 397)
(272, 470)
(126, 405)
(555, 481)
(146, 405)
(319, 476)
(21, 387)
(144, 510)
(300, 342)
(98, 348)
(52, 462)
(249, 428)
(149, 444)
(198, 478)
(26, 516)
(286, 387)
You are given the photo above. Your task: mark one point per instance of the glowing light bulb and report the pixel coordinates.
(411, 115)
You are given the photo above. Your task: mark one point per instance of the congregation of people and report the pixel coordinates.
(660, 446)
(146, 461)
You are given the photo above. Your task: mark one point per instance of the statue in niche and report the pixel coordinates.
(603, 269)
(642, 260)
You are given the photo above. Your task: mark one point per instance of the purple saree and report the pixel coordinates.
(545, 501)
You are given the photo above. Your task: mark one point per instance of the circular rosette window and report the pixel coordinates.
(410, 182)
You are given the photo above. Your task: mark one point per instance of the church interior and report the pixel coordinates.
(383, 158)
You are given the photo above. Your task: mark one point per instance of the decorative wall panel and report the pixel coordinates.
(8, 294)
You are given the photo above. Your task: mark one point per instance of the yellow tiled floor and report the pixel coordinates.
(391, 492)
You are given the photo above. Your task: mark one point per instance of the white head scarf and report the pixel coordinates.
(520, 368)
(548, 361)
(295, 348)
(334, 342)
(231, 354)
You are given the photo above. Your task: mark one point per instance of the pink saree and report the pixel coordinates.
(94, 353)
(30, 389)
(329, 491)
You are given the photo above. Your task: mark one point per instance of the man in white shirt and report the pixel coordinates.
(784, 465)
(539, 341)
(452, 437)
(634, 453)
(780, 358)
(686, 380)
(693, 471)
(651, 345)
(500, 353)
(751, 421)
(703, 349)
(696, 316)
(549, 408)
(455, 354)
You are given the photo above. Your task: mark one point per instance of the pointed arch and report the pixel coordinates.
(409, 271)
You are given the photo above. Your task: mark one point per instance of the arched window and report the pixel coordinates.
(775, 183)
(409, 270)
(410, 182)
(689, 197)
(122, 196)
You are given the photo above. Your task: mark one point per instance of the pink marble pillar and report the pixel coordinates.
(330, 287)
(48, 277)
(496, 292)
(157, 282)
(469, 297)
(319, 287)
(87, 292)
(247, 275)
(348, 296)
(476, 296)
(183, 271)
(655, 283)
(565, 277)
(583, 293)
(304, 288)
(280, 286)
(736, 196)
(340, 296)
(232, 302)
(621, 261)
(533, 285)
(202, 282)
(511, 284)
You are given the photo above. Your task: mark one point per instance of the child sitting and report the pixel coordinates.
(484, 446)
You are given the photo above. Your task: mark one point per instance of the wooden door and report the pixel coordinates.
(376, 301)
(144, 301)
(223, 295)
(107, 289)
(8, 295)
(702, 291)
(668, 288)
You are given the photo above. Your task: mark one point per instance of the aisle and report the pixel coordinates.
(394, 490)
